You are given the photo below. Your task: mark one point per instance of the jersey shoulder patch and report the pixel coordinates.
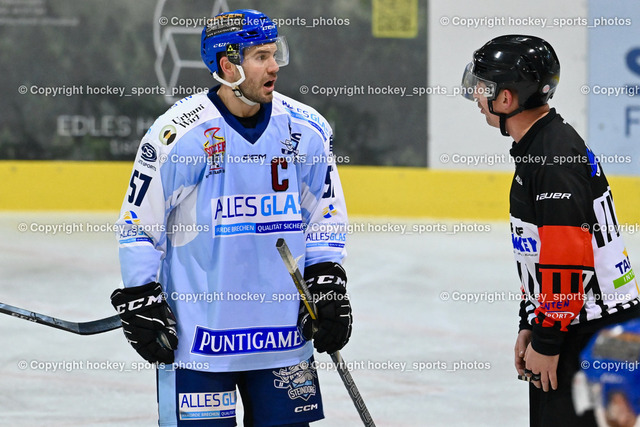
(303, 114)
(180, 118)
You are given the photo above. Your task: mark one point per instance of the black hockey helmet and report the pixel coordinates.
(526, 65)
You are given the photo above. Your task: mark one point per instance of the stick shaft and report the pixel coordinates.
(295, 274)
(352, 389)
(341, 367)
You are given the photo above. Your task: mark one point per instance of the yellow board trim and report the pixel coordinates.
(63, 186)
(369, 191)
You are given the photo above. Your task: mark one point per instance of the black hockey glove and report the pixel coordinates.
(147, 321)
(327, 283)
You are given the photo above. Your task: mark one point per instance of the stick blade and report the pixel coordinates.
(80, 328)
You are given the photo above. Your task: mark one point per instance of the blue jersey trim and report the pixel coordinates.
(250, 134)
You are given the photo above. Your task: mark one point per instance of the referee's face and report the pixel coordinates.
(483, 104)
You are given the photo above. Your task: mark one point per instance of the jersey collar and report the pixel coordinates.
(250, 134)
(518, 149)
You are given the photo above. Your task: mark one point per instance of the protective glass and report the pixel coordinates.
(282, 50)
(473, 86)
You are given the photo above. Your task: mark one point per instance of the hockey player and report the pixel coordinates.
(216, 181)
(611, 365)
(574, 267)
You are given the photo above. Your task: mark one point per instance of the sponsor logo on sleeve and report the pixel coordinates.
(130, 217)
(329, 211)
(148, 155)
(325, 239)
(190, 117)
(624, 267)
(148, 152)
(310, 117)
(523, 244)
(132, 232)
(167, 134)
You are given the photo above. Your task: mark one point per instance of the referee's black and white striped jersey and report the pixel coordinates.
(571, 259)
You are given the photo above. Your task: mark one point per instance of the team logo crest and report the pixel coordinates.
(298, 380)
(291, 144)
(215, 148)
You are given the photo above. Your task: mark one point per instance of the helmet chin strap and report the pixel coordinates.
(235, 86)
(504, 117)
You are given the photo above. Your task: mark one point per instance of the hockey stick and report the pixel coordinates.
(83, 328)
(345, 375)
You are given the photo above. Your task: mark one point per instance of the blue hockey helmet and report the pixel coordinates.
(611, 364)
(232, 32)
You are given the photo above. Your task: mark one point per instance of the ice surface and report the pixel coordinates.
(396, 281)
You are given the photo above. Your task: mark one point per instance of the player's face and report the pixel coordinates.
(619, 412)
(483, 104)
(261, 71)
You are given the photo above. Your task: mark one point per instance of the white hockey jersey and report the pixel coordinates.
(207, 201)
